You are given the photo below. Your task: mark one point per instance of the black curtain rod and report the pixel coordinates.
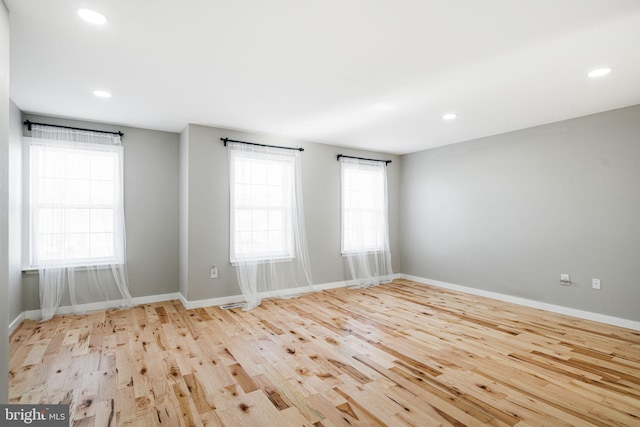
(386, 162)
(225, 140)
(30, 123)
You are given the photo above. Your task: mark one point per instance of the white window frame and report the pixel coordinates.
(377, 210)
(33, 206)
(285, 208)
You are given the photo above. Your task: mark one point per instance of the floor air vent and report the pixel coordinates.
(229, 306)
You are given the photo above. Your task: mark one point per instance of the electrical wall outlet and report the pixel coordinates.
(214, 272)
(564, 279)
(595, 283)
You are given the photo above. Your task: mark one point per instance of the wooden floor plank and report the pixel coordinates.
(396, 354)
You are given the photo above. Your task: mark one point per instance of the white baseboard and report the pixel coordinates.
(596, 317)
(602, 318)
(210, 301)
(272, 294)
(16, 322)
(37, 314)
(182, 299)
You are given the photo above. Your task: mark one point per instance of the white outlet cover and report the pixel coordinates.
(595, 283)
(564, 277)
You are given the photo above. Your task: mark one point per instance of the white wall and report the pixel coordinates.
(509, 213)
(5, 193)
(15, 212)
(184, 212)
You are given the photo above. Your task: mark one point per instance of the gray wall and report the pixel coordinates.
(15, 212)
(184, 212)
(4, 202)
(206, 218)
(509, 213)
(151, 167)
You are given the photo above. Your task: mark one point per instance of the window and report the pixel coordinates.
(75, 204)
(363, 206)
(262, 189)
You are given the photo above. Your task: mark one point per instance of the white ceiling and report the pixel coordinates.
(314, 70)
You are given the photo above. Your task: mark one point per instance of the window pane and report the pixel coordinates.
(243, 243)
(66, 182)
(363, 199)
(260, 220)
(243, 220)
(102, 193)
(103, 166)
(258, 172)
(51, 190)
(242, 172)
(262, 196)
(349, 220)
(101, 245)
(274, 174)
(77, 246)
(78, 192)
(50, 220)
(51, 247)
(274, 196)
(363, 221)
(258, 195)
(78, 164)
(77, 220)
(276, 220)
(101, 220)
(276, 241)
(52, 164)
(242, 194)
(260, 240)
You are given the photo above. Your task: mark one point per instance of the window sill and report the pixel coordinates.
(35, 270)
(235, 262)
(366, 251)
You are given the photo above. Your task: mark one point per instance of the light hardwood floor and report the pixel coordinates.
(396, 354)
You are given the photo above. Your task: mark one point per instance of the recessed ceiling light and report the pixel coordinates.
(92, 17)
(449, 116)
(102, 93)
(381, 106)
(599, 72)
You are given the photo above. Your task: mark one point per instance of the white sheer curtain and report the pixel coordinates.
(365, 223)
(77, 233)
(268, 244)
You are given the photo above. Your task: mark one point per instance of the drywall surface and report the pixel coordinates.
(15, 212)
(510, 213)
(151, 201)
(208, 208)
(4, 202)
(184, 213)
